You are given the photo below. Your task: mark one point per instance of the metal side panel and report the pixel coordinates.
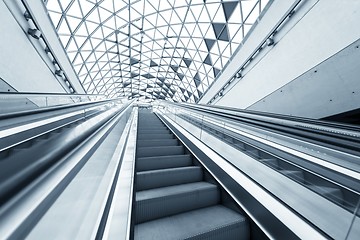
(118, 222)
(20, 215)
(267, 187)
(82, 204)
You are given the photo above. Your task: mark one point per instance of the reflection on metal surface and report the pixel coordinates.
(280, 210)
(15, 101)
(25, 127)
(327, 164)
(119, 219)
(341, 189)
(309, 204)
(21, 213)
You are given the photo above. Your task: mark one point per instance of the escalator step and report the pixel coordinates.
(152, 126)
(163, 202)
(216, 222)
(162, 162)
(167, 177)
(151, 123)
(159, 151)
(154, 131)
(155, 136)
(157, 143)
(148, 120)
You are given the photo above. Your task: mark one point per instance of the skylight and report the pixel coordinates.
(151, 49)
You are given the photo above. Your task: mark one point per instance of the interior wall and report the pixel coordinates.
(331, 87)
(313, 68)
(24, 64)
(39, 12)
(21, 66)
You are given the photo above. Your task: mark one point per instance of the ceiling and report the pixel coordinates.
(151, 49)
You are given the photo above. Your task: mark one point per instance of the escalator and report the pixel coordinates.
(182, 188)
(175, 197)
(26, 154)
(336, 187)
(40, 172)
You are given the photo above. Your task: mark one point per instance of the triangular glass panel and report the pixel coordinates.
(229, 8)
(148, 76)
(209, 43)
(181, 76)
(133, 61)
(153, 64)
(216, 71)
(162, 79)
(208, 60)
(187, 61)
(197, 80)
(218, 28)
(224, 35)
(174, 68)
(134, 74)
(189, 93)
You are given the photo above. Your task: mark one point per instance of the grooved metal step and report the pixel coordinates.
(153, 126)
(162, 162)
(157, 143)
(147, 124)
(155, 136)
(159, 151)
(216, 222)
(162, 202)
(155, 131)
(167, 177)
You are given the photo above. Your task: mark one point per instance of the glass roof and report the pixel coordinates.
(151, 49)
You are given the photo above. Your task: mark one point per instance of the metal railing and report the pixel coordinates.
(315, 168)
(57, 164)
(11, 102)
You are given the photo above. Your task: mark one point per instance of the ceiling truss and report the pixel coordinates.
(151, 49)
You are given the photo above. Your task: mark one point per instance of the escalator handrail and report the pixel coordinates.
(16, 210)
(350, 186)
(41, 94)
(13, 135)
(333, 137)
(268, 220)
(254, 114)
(53, 108)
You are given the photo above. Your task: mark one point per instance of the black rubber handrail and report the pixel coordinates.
(349, 186)
(347, 143)
(15, 176)
(54, 108)
(235, 111)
